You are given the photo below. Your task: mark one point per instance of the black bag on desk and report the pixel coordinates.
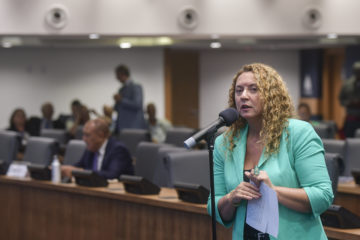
(339, 217)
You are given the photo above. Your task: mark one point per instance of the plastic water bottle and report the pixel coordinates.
(55, 170)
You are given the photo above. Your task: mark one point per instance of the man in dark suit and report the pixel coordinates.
(35, 124)
(106, 156)
(128, 102)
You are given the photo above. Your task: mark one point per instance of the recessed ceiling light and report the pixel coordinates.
(164, 41)
(8, 42)
(146, 41)
(94, 36)
(7, 45)
(125, 45)
(215, 45)
(332, 36)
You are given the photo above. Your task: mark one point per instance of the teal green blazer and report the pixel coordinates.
(300, 163)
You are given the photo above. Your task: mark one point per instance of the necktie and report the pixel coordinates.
(95, 161)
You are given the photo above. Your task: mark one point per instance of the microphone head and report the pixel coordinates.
(230, 115)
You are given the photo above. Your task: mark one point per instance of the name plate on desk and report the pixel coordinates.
(17, 170)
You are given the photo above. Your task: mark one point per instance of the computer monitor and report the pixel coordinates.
(89, 178)
(139, 185)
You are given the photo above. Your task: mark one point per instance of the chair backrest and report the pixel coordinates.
(79, 132)
(352, 155)
(161, 175)
(357, 133)
(189, 167)
(58, 134)
(74, 151)
(177, 135)
(132, 137)
(326, 129)
(332, 160)
(9, 145)
(146, 159)
(40, 150)
(336, 146)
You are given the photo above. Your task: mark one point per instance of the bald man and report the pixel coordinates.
(106, 156)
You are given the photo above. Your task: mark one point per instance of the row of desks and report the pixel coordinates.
(348, 196)
(43, 210)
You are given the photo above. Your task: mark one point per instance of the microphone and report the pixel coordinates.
(226, 117)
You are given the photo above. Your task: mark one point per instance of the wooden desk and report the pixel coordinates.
(348, 196)
(41, 210)
(343, 234)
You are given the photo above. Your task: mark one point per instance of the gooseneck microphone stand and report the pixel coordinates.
(210, 139)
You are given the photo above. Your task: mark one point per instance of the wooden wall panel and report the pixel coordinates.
(332, 82)
(182, 87)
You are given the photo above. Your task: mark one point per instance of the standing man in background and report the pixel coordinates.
(350, 99)
(128, 102)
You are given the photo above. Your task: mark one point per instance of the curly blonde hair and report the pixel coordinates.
(277, 106)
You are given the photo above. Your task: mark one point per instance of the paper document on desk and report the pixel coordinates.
(263, 213)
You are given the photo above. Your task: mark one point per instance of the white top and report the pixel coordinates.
(158, 131)
(101, 155)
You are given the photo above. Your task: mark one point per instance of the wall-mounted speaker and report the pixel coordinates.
(188, 18)
(57, 17)
(312, 18)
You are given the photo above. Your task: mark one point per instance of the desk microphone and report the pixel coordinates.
(226, 118)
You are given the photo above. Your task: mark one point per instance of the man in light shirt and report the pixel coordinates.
(157, 127)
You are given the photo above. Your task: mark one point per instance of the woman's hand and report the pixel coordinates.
(245, 191)
(294, 198)
(227, 204)
(261, 177)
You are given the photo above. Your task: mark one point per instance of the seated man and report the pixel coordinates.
(104, 155)
(35, 124)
